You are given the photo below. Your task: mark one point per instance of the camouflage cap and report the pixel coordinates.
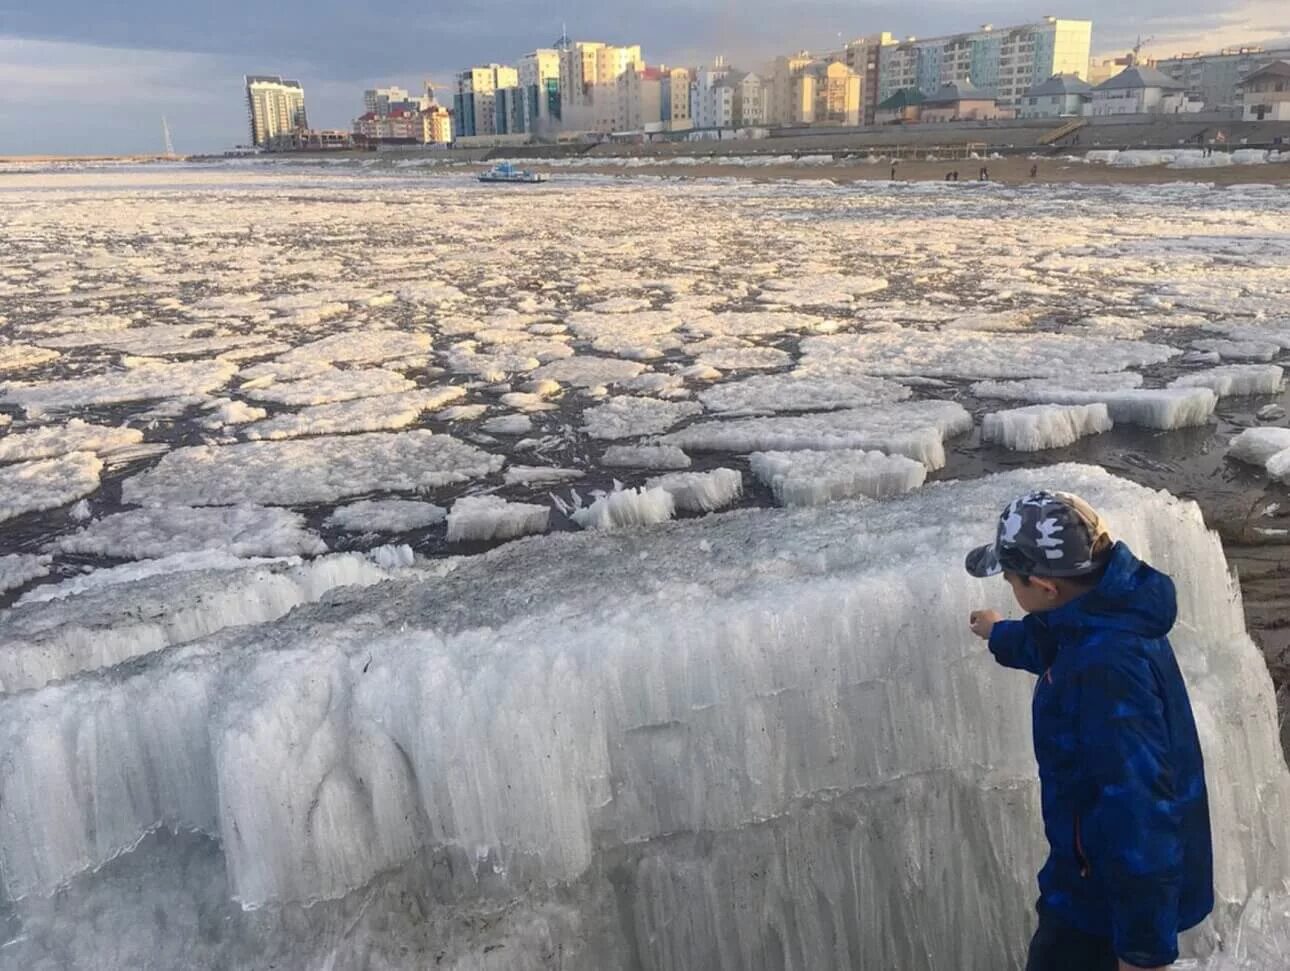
(1047, 534)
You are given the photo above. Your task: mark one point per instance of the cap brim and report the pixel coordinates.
(983, 561)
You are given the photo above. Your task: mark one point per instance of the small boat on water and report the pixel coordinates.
(506, 172)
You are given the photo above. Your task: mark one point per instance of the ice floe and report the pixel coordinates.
(386, 516)
(620, 509)
(700, 491)
(487, 518)
(17, 569)
(645, 457)
(1266, 447)
(630, 417)
(331, 386)
(808, 478)
(47, 483)
(73, 436)
(973, 354)
(915, 429)
(321, 469)
(143, 383)
(1234, 380)
(246, 531)
(1038, 427)
(799, 391)
(376, 413)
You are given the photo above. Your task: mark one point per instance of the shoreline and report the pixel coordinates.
(1008, 171)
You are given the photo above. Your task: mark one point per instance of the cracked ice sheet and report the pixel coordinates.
(968, 354)
(48, 483)
(242, 531)
(377, 413)
(321, 469)
(143, 383)
(257, 731)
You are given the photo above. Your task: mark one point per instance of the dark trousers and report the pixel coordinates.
(1059, 947)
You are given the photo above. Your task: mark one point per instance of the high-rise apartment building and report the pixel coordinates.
(589, 73)
(475, 101)
(538, 99)
(275, 107)
(674, 98)
(1215, 78)
(1006, 61)
(862, 55)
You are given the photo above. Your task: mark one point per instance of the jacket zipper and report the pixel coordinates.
(1079, 850)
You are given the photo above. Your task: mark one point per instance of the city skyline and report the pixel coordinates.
(48, 64)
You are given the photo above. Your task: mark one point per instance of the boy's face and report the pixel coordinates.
(1037, 595)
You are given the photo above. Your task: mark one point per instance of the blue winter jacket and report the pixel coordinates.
(1120, 768)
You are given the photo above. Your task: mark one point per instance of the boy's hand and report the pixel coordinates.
(983, 621)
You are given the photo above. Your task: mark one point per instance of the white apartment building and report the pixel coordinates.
(475, 101)
(1138, 90)
(1007, 61)
(275, 107)
(712, 106)
(1061, 96)
(750, 95)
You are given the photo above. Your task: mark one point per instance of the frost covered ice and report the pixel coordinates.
(488, 518)
(1044, 426)
(621, 508)
(73, 436)
(1234, 380)
(1266, 447)
(700, 491)
(809, 478)
(819, 738)
(1164, 408)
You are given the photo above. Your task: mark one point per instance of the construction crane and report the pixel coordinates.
(1137, 48)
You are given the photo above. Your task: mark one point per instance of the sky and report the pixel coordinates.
(98, 76)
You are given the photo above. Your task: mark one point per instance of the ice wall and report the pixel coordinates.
(758, 740)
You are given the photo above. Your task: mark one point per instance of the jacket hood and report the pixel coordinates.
(1131, 597)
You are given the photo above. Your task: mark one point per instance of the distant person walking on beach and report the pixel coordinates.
(1034, 169)
(983, 175)
(1121, 776)
(893, 170)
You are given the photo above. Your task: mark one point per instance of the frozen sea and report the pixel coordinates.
(288, 647)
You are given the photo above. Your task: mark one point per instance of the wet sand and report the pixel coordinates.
(1010, 171)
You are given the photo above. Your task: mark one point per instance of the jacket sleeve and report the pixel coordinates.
(1021, 644)
(1131, 835)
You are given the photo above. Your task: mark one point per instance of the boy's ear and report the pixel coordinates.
(1049, 587)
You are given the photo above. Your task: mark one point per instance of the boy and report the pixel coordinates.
(1120, 769)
